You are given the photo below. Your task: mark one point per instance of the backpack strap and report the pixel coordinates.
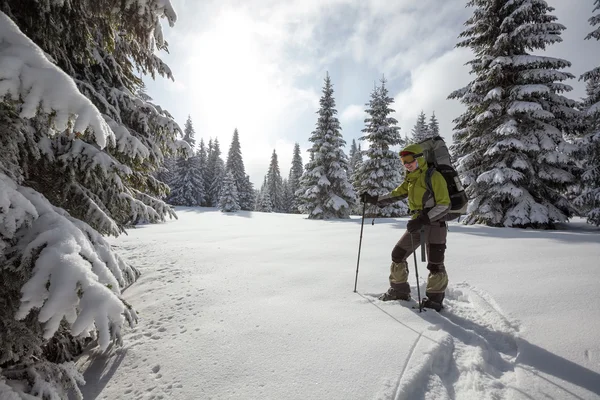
(428, 174)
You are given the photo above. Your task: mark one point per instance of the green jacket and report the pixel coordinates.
(415, 188)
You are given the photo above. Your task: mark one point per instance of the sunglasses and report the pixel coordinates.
(410, 158)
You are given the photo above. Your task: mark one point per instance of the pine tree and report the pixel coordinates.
(434, 127)
(287, 195)
(420, 131)
(296, 172)
(80, 146)
(589, 199)
(215, 171)
(380, 173)
(228, 202)
(275, 184)
(263, 200)
(351, 155)
(235, 165)
(166, 172)
(324, 188)
(509, 143)
(187, 187)
(202, 157)
(251, 193)
(356, 158)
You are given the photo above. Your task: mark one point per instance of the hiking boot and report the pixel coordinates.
(393, 294)
(428, 303)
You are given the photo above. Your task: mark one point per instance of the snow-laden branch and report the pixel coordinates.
(71, 278)
(29, 78)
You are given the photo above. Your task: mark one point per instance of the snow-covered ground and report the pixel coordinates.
(261, 306)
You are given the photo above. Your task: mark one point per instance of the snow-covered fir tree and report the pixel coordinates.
(288, 195)
(249, 188)
(275, 184)
(263, 199)
(215, 171)
(420, 131)
(589, 199)
(166, 172)
(228, 202)
(202, 157)
(355, 158)
(433, 127)
(80, 146)
(187, 186)
(325, 191)
(235, 165)
(380, 173)
(296, 171)
(509, 143)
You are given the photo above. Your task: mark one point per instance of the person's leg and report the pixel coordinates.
(437, 281)
(399, 287)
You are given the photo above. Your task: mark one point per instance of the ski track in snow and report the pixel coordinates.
(468, 351)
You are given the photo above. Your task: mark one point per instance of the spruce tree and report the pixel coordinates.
(380, 173)
(420, 131)
(228, 202)
(589, 199)
(235, 165)
(80, 147)
(251, 193)
(275, 184)
(215, 169)
(434, 126)
(351, 155)
(296, 172)
(263, 200)
(324, 188)
(201, 155)
(511, 154)
(187, 187)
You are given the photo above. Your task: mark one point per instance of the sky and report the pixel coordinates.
(261, 306)
(259, 66)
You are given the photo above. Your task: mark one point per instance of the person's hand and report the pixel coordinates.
(367, 198)
(417, 223)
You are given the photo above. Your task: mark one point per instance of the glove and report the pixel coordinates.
(367, 198)
(386, 200)
(417, 223)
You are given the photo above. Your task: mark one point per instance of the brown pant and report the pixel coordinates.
(435, 241)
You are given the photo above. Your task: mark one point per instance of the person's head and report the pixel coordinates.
(410, 156)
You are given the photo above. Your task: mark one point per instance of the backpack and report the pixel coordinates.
(438, 159)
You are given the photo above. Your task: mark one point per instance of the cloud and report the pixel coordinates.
(430, 84)
(259, 66)
(353, 113)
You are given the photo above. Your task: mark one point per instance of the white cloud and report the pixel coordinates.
(353, 113)
(430, 85)
(259, 66)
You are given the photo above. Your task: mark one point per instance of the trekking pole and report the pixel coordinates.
(416, 272)
(422, 237)
(362, 223)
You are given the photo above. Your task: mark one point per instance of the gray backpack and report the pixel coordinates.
(437, 155)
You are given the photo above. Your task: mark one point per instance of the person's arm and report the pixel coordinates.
(401, 192)
(441, 196)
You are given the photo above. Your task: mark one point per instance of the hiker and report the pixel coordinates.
(428, 211)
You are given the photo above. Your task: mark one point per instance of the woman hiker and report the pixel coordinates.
(428, 211)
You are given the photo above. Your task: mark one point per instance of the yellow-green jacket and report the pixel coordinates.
(415, 188)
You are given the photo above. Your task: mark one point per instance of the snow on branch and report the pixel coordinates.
(522, 91)
(71, 277)
(29, 78)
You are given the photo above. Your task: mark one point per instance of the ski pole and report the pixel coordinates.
(422, 237)
(362, 223)
(416, 272)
